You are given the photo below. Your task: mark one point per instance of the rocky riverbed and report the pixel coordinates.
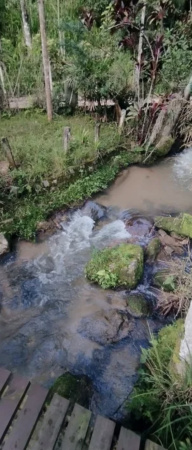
(54, 321)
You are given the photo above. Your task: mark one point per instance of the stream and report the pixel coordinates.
(52, 318)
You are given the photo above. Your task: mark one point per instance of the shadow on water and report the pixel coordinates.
(45, 300)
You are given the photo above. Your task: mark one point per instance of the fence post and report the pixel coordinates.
(66, 138)
(97, 131)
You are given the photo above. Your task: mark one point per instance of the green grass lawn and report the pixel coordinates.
(38, 145)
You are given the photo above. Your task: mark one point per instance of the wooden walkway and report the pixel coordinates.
(27, 422)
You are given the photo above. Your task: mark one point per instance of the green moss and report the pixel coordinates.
(165, 147)
(138, 306)
(167, 339)
(117, 266)
(181, 225)
(76, 388)
(159, 278)
(153, 249)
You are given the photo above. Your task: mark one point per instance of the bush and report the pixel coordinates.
(161, 396)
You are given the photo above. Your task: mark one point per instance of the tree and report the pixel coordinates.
(26, 29)
(46, 62)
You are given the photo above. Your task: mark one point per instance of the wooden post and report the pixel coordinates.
(97, 131)
(8, 152)
(46, 63)
(66, 138)
(122, 119)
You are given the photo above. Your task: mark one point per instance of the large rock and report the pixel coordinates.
(94, 210)
(117, 266)
(164, 280)
(138, 226)
(106, 326)
(153, 249)
(4, 246)
(181, 225)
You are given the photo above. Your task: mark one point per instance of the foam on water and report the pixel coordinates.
(72, 246)
(182, 168)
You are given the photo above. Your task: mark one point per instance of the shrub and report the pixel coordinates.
(161, 396)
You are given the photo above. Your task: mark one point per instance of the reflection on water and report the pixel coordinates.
(45, 298)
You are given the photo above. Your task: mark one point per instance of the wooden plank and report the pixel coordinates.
(11, 401)
(4, 376)
(102, 434)
(27, 417)
(152, 446)
(128, 440)
(52, 423)
(77, 429)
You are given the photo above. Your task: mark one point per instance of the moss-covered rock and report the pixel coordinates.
(164, 280)
(164, 146)
(77, 388)
(138, 306)
(153, 249)
(116, 267)
(159, 278)
(181, 225)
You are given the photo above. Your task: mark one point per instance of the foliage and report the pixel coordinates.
(162, 396)
(176, 60)
(97, 67)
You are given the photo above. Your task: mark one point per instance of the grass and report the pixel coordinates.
(179, 276)
(38, 150)
(162, 397)
(38, 145)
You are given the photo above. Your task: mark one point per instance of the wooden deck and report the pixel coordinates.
(28, 422)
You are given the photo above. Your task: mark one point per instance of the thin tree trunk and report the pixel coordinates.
(140, 50)
(26, 29)
(46, 63)
(2, 82)
(61, 33)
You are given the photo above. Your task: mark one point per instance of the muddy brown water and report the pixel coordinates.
(45, 299)
(151, 189)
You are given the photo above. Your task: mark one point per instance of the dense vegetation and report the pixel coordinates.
(135, 54)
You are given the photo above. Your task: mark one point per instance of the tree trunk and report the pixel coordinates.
(26, 29)
(2, 82)
(140, 50)
(60, 33)
(46, 63)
